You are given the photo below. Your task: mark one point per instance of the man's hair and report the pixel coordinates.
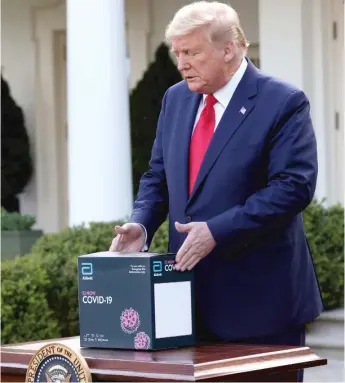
(220, 20)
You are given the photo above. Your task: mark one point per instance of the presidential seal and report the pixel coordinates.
(57, 363)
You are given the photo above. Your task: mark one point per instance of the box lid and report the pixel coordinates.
(124, 255)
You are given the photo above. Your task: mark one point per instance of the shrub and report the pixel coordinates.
(325, 234)
(12, 221)
(25, 313)
(160, 241)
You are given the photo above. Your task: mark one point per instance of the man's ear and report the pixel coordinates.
(229, 51)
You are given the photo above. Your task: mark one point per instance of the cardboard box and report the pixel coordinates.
(135, 301)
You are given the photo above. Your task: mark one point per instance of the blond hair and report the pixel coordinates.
(221, 20)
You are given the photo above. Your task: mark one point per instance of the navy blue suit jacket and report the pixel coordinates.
(258, 175)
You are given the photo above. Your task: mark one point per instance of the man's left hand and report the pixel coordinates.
(196, 246)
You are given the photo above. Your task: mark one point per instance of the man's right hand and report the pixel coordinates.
(130, 238)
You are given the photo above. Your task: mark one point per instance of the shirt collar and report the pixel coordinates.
(224, 95)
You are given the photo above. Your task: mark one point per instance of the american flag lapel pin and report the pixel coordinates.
(243, 110)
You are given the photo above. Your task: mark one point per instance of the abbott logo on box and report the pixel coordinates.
(87, 271)
(157, 267)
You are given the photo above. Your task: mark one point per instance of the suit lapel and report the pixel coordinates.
(237, 111)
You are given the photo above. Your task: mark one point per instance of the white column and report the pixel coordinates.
(100, 183)
(292, 47)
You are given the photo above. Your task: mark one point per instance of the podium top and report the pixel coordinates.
(203, 362)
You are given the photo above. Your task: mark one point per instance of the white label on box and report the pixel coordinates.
(173, 309)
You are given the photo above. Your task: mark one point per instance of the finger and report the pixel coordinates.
(191, 262)
(187, 259)
(129, 249)
(125, 246)
(117, 243)
(121, 229)
(183, 228)
(187, 244)
(113, 246)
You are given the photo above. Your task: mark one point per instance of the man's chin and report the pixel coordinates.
(194, 86)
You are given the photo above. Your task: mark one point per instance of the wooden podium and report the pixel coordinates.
(213, 362)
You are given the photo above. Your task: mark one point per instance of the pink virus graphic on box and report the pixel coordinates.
(141, 341)
(129, 320)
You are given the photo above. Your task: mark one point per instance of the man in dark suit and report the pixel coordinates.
(234, 164)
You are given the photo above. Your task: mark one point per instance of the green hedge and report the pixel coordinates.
(25, 311)
(12, 221)
(39, 291)
(325, 234)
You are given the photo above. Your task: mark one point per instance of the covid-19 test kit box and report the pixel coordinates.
(134, 301)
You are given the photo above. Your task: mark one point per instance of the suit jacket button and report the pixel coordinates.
(188, 218)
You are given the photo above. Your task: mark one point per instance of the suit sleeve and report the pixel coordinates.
(151, 204)
(292, 174)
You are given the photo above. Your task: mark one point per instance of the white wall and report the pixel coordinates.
(306, 56)
(18, 67)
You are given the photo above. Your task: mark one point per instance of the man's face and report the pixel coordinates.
(202, 64)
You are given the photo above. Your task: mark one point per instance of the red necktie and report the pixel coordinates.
(201, 138)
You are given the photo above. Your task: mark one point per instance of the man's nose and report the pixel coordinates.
(182, 63)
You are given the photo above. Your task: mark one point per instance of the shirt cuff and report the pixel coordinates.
(145, 248)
